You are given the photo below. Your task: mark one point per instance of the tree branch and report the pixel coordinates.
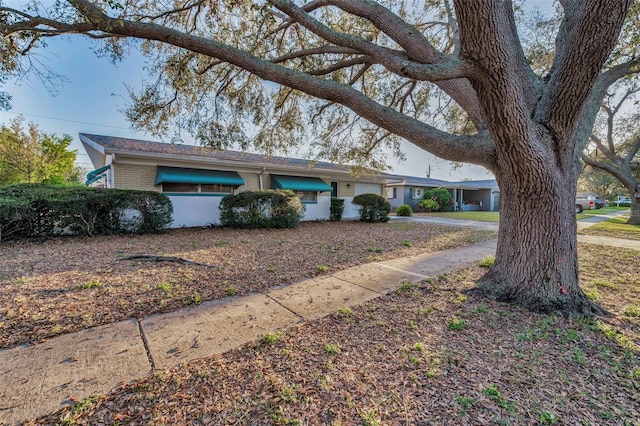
(448, 70)
(478, 149)
(314, 51)
(633, 151)
(578, 62)
(418, 48)
(341, 65)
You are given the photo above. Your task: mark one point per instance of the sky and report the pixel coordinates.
(90, 100)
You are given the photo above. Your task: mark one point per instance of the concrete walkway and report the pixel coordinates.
(36, 380)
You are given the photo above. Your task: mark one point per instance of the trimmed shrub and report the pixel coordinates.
(439, 195)
(404, 210)
(40, 211)
(336, 209)
(261, 209)
(429, 205)
(373, 207)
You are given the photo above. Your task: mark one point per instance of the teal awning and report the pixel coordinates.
(297, 183)
(180, 175)
(96, 174)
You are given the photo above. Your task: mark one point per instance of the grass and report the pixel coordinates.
(605, 210)
(479, 216)
(614, 228)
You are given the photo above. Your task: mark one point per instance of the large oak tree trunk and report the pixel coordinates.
(634, 219)
(536, 263)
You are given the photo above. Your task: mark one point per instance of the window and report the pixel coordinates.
(392, 192)
(416, 193)
(308, 196)
(334, 189)
(214, 188)
(179, 187)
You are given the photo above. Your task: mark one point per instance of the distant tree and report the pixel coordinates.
(599, 181)
(615, 144)
(29, 156)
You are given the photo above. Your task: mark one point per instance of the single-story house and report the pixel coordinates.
(481, 195)
(196, 178)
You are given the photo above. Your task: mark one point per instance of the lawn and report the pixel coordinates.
(68, 284)
(479, 216)
(606, 210)
(425, 354)
(614, 228)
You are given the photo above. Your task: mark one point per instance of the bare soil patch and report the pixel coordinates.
(424, 355)
(68, 284)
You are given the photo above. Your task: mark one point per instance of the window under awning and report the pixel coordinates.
(298, 183)
(202, 176)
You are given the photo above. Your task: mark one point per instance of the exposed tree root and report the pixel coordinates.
(577, 305)
(155, 258)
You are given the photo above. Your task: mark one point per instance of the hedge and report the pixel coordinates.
(261, 209)
(439, 195)
(373, 207)
(42, 211)
(336, 210)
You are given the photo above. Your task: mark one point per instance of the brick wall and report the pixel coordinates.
(135, 176)
(251, 182)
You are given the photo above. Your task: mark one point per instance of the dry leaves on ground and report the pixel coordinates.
(68, 284)
(424, 355)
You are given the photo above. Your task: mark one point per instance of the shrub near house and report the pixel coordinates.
(440, 196)
(404, 210)
(261, 209)
(373, 207)
(42, 211)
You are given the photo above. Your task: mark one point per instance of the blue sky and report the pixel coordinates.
(90, 101)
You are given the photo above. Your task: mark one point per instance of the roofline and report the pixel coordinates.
(208, 160)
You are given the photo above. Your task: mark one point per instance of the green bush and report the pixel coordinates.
(404, 210)
(40, 211)
(439, 195)
(261, 209)
(429, 205)
(336, 209)
(624, 204)
(373, 207)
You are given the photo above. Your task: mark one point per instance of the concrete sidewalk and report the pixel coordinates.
(39, 379)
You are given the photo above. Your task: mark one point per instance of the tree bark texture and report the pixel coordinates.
(535, 130)
(634, 218)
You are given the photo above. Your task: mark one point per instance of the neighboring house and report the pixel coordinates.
(409, 189)
(196, 178)
(467, 195)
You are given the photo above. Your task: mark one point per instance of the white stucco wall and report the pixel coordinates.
(350, 210)
(319, 210)
(193, 210)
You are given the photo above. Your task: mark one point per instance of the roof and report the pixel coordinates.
(128, 146)
(117, 145)
(416, 181)
(474, 184)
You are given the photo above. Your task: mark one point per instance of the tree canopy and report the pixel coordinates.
(461, 79)
(30, 156)
(208, 62)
